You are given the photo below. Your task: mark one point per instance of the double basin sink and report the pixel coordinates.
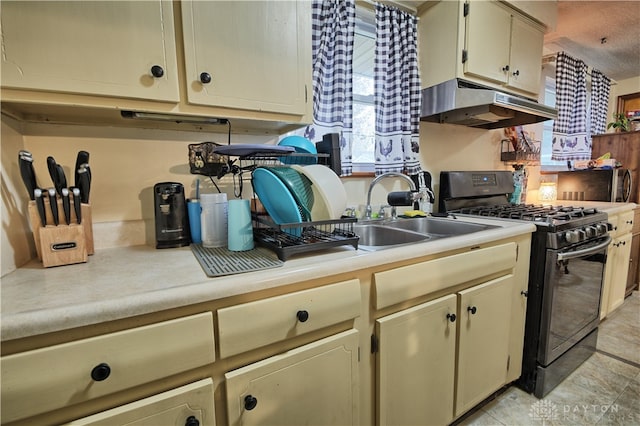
(381, 234)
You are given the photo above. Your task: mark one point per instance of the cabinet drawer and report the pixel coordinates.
(398, 285)
(180, 406)
(255, 324)
(42, 380)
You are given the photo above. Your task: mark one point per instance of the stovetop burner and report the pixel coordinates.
(530, 212)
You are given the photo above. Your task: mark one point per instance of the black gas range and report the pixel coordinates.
(568, 255)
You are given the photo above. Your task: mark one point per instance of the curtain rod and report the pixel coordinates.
(370, 4)
(548, 59)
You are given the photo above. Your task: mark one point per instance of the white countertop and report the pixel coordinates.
(124, 282)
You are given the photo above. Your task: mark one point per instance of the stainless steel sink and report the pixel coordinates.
(436, 227)
(373, 235)
(381, 234)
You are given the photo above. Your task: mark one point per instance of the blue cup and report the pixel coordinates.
(194, 210)
(240, 235)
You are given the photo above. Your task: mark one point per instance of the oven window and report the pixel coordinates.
(572, 301)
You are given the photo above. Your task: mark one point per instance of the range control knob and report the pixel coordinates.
(572, 236)
(602, 229)
(590, 231)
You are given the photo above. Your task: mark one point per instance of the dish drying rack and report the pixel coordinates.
(529, 154)
(301, 237)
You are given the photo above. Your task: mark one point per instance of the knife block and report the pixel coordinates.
(62, 244)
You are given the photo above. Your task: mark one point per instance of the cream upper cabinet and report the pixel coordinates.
(121, 49)
(252, 55)
(416, 364)
(485, 42)
(313, 384)
(502, 46)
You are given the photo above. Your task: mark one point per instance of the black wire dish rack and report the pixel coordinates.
(294, 238)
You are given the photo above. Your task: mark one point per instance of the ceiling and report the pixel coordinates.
(582, 25)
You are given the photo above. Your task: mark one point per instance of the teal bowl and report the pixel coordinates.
(306, 152)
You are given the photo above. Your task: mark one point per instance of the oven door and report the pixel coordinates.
(571, 297)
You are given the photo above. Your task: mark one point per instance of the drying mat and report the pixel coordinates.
(219, 261)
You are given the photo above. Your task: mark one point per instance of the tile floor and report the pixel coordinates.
(605, 390)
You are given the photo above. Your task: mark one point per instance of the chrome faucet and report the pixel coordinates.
(377, 179)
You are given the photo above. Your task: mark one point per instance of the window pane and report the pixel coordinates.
(363, 132)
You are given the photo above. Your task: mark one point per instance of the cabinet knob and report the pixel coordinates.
(451, 317)
(100, 372)
(302, 316)
(157, 71)
(192, 421)
(525, 293)
(472, 309)
(505, 68)
(629, 222)
(205, 78)
(250, 402)
(516, 73)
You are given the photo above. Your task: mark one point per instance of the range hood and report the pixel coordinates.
(461, 102)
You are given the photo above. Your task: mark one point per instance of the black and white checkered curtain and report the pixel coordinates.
(333, 29)
(571, 141)
(397, 92)
(600, 87)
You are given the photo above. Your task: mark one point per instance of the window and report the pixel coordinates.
(363, 148)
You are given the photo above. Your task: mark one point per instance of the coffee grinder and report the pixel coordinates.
(172, 220)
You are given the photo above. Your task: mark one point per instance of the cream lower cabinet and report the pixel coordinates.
(94, 47)
(313, 384)
(617, 267)
(483, 341)
(190, 405)
(418, 364)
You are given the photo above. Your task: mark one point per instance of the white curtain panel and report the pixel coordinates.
(333, 29)
(571, 141)
(600, 88)
(397, 92)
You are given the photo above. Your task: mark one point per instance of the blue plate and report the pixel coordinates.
(276, 199)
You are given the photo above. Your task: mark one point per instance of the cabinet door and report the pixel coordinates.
(93, 47)
(314, 384)
(416, 364)
(525, 57)
(187, 405)
(255, 55)
(483, 349)
(618, 266)
(487, 41)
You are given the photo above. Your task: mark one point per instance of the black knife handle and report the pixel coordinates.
(38, 196)
(77, 204)
(81, 158)
(66, 206)
(27, 173)
(53, 204)
(83, 184)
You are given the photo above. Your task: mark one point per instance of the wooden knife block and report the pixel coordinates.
(62, 244)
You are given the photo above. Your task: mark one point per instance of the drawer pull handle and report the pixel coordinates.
(205, 78)
(100, 372)
(472, 309)
(451, 317)
(157, 71)
(505, 68)
(250, 402)
(525, 293)
(303, 316)
(192, 421)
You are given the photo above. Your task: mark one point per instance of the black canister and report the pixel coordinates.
(172, 219)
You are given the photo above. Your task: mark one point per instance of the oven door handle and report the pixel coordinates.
(585, 252)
